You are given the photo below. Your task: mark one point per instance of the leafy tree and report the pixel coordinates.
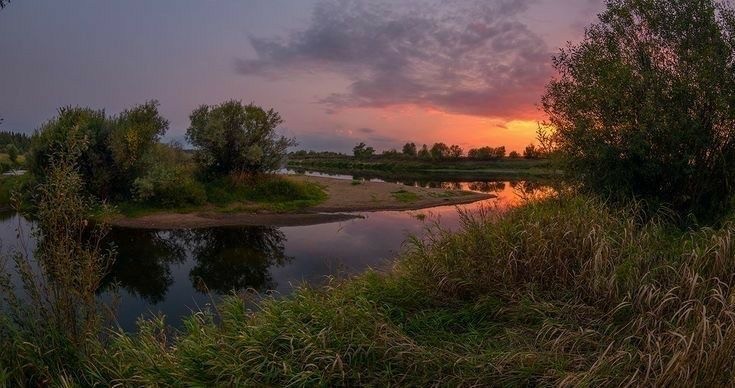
(109, 150)
(487, 153)
(236, 138)
(424, 152)
(409, 149)
(532, 152)
(514, 155)
(439, 151)
(644, 106)
(455, 151)
(362, 151)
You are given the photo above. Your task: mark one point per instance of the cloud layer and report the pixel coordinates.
(468, 57)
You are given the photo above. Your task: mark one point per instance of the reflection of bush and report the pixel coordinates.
(143, 262)
(236, 258)
(487, 187)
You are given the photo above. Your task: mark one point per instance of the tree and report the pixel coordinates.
(109, 150)
(439, 151)
(455, 151)
(236, 138)
(487, 153)
(514, 155)
(409, 149)
(532, 152)
(424, 152)
(4, 3)
(362, 151)
(644, 106)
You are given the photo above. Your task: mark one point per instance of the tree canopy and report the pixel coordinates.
(235, 138)
(644, 106)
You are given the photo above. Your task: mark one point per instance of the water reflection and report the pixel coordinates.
(236, 258)
(143, 264)
(175, 272)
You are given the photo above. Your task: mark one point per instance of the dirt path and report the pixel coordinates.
(344, 197)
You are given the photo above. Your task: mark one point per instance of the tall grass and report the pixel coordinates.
(562, 291)
(50, 318)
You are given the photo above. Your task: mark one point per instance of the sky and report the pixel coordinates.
(467, 72)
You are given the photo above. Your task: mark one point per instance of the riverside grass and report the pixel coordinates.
(563, 291)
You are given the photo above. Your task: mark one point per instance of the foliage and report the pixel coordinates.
(486, 153)
(562, 291)
(113, 149)
(644, 106)
(409, 149)
(20, 141)
(439, 151)
(52, 327)
(168, 182)
(514, 155)
(424, 153)
(236, 138)
(455, 152)
(532, 152)
(362, 151)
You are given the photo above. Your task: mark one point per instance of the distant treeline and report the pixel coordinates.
(20, 141)
(438, 152)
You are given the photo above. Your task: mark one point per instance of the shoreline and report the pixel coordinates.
(345, 199)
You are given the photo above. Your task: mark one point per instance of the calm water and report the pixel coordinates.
(175, 272)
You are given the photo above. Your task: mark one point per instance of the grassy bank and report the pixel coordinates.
(265, 193)
(562, 291)
(481, 169)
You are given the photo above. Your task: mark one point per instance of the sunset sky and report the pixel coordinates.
(384, 72)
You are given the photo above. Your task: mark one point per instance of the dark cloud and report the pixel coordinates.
(366, 130)
(470, 57)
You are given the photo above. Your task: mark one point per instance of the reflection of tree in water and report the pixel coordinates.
(486, 187)
(236, 258)
(142, 266)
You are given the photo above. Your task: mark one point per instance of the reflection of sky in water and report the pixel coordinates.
(171, 271)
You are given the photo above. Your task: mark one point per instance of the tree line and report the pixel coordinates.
(443, 152)
(121, 157)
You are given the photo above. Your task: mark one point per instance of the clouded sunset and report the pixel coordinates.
(338, 72)
(380, 193)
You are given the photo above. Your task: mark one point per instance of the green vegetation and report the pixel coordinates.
(10, 185)
(121, 160)
(236, 138)
(645, 105)
(405, 196)
(570, 290)
(392, 168)
(562, 291)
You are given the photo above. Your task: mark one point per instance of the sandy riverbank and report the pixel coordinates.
(344, 197)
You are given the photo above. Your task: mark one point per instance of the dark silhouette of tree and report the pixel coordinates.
(644, 106)
(230, 259)
(362, 151)
(143, 262)
(409, 149)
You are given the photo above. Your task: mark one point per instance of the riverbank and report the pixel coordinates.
(563, 291)
(342, 197)
(501, 168)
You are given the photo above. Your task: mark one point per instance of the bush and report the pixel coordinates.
(110, 151)
(236, 138)
(168, 187)
(645, 105)
(168, 182)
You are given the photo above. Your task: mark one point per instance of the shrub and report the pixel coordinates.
(168, 182)
(111, 150)
(232, 137)
(644, 106)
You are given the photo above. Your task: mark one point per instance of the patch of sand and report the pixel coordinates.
(344, 196)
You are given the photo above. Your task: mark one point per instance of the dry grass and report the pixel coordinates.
(560, 292)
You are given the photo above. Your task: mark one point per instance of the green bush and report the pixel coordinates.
(644, 106)
(168, 187)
